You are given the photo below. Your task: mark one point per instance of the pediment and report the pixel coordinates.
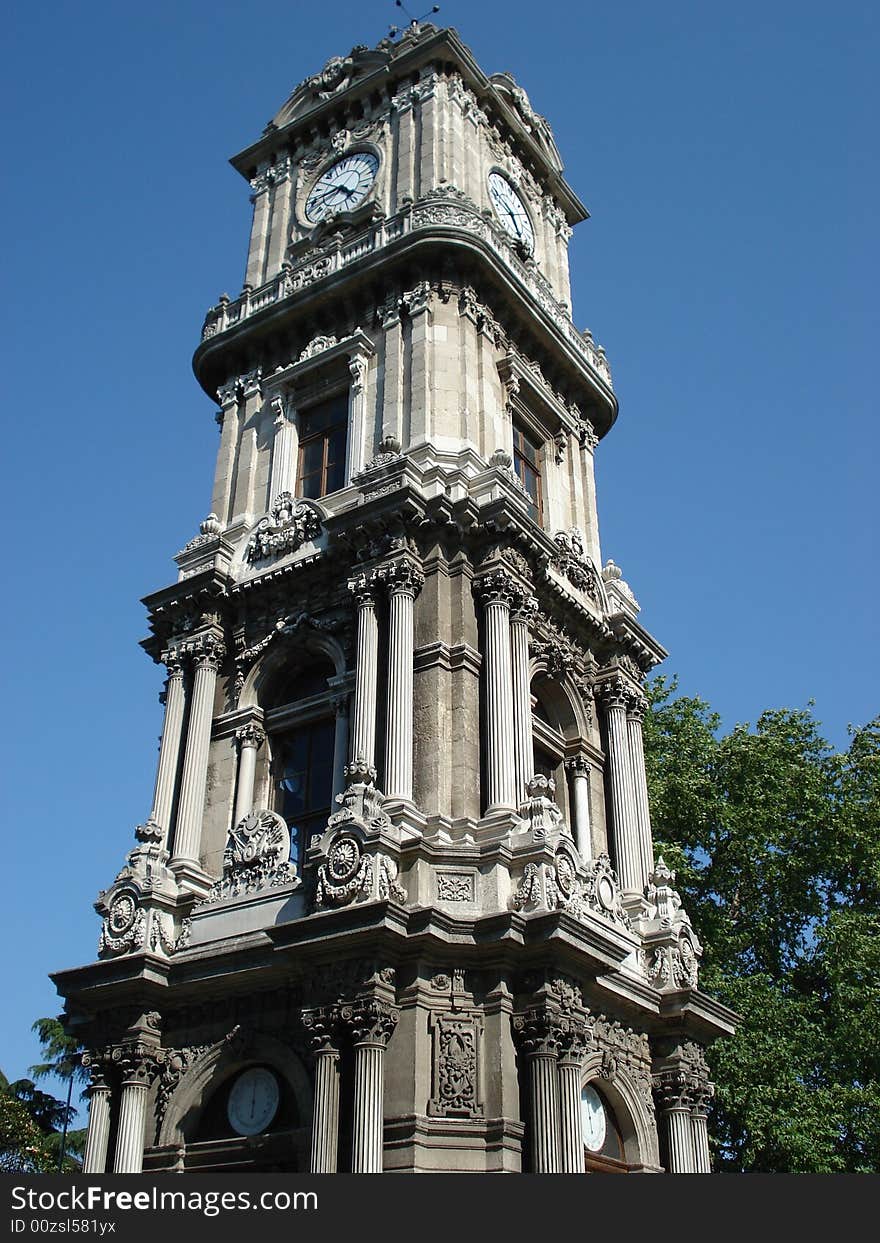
(338, 74)
(539, 127)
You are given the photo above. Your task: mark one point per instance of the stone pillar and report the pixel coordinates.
(250, 738)
(321, 1026)
(524, 755)
(579, 769)
(357, 403)
(372, 1023)
(571, 1140)
(700, 1136)
(614, 694)
(497, 591)
(98, 1133)
(363, 742)
(284, 446)
(208, 652)
(136, 1074)
(404, 581)
(638, 706)
(158, 826)
(340, 745)
(538, 1038)
(672, 1090)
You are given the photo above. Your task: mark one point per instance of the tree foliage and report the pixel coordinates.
(776, 842)
(33, 1122)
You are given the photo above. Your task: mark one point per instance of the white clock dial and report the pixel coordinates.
(253, 1101)
(511, 213)
(593, 1122)
(344, 184)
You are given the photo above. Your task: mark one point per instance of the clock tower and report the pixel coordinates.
(395, 905)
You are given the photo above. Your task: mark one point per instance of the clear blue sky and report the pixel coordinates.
(727, 153)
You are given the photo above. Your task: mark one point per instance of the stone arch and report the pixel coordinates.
(561, 695)
(636, 1121)
(224, 1059)
(306, 639)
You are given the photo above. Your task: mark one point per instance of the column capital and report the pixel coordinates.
(524, 608)
(136, 1064)
(578, 765)
(673, 1090)
(363, 590)
(250, 735)
(322, 1026)
(400, 578)
(539, 1031)
(369, 1021)
(497, 587)
(613, 692)
(99, 1067)
(173, 660)
(637, 706)
(207, 651)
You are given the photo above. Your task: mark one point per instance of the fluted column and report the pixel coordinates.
(538, 1038)
(673, 1093)
(357, 408)
(614, 694)
(524, 756)
(579, 769)
(208, 652)
(136, 1074)
(363, 741)
(250, 738)
(404, 581)
(571, 1140)
(372, 1023)
(321, 1026)
(158, 825)
(700, 1139)
(284, 445)
(98, 1133)
(497, 591)
(638, 706)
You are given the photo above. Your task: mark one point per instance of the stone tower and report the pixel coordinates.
(396, 906)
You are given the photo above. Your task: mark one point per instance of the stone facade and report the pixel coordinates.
(400, 580)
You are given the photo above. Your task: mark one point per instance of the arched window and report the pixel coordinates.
(301, 727)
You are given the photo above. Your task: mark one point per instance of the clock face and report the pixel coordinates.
(510, 211)
(253, 1101)
(593, 1121)
(344, 184)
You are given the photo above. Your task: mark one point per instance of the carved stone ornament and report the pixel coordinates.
(287, 526)
(257, 857)
(124, 926)
(456, 1066)
(350, 874)
(316, 346)
(574, 562)
(670, 951)
(540, 809)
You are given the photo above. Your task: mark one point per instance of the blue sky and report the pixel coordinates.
(727, 155)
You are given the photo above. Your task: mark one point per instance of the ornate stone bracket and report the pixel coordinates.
(573, 561)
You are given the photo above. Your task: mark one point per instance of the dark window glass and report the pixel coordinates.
(527, 464)
(305, 781)
(323, 431)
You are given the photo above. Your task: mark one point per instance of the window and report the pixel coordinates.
(527, 464)
(304, 781)
(323, 433)
(302, 726)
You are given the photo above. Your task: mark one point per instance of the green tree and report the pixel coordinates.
(23, 1147)
(776, 842)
